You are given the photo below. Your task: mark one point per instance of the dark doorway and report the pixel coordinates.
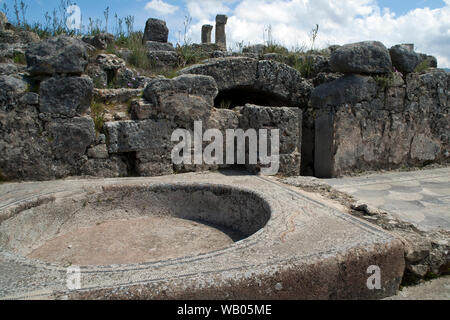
(229, 99)
(308, 144)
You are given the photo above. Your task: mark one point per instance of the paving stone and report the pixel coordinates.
(419, 197)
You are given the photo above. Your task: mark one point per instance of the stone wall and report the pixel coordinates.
(350, 116)
(364, 122)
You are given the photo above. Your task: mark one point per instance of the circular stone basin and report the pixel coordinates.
(135, 224)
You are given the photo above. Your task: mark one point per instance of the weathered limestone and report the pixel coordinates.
(113, 167)
(8, 69)
(159, 46)
(210, 50)
(270, 77)
(160, 52)
(110, 70)
(98, 152)
(288, 121)
(29, 98)
(374, 119)
(155, 30)
(206, 33)
(100, 41)
(131, 136)
(68, 96)
(284, 82)
(221, 37)
(349, 89)
(361, 127)
(115, 96)
(150, 163)
(59, 55)
(184, 99)
(163, 59)
(110, 62)
(140, 109)
(368, 57)
(11, 88)
(25, 152)
(14, 41)
(228, 73)
(70, 138)
(404, 58)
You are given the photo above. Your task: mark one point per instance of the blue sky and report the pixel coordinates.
(423, 22)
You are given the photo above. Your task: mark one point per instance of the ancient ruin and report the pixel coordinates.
(156, 30)
(221, 37)
(206, 33)
(73, 109)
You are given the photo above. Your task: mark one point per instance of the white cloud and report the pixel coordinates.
(161, 7)
(340, 22)
(207, 9)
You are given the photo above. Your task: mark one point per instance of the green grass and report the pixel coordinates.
(189, 55)
(98, 115)
(423, 66)
(275, 48)
(301, 62)
(297, 59)
(385, 81)
(139, 53)
(19, 58)
(34, 87)
(304, 65)
(431, 276)
(168, 73)
(54, 23)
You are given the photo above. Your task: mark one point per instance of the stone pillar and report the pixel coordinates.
(155, 30)
(409, 46)
(221, 37)
(206, 33)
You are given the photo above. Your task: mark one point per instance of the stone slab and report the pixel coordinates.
(419, 197)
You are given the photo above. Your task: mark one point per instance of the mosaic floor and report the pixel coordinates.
(419, 197)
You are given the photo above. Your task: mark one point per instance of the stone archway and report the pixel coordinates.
(271, 82)
(242, 80)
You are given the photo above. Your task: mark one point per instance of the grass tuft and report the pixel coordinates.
(98, 115)
(384, 81)
(423, 66)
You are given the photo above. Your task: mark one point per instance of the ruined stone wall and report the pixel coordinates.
(350, 115)
(49, 128)
(368, 122)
